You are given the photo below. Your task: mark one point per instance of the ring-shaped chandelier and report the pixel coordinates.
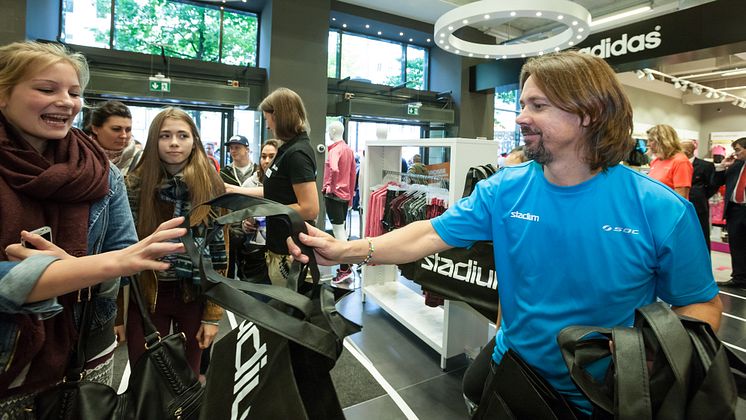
(574, 16)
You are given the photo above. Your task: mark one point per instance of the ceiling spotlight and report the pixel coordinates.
(715, 95)
(676, 84)
(735, 101)
(697, 90)
(684, 85)
(640, 74)
(650, 75)
(709, 94)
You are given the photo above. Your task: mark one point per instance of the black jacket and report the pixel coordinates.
(729, 177)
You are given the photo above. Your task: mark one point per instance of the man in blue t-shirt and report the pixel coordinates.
(578, 238)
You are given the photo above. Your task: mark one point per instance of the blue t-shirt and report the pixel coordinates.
(588, 254)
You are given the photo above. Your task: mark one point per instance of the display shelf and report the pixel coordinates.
(455, 328)
(407, 306)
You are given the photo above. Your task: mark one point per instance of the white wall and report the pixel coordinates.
(721, 117)
(651, 108)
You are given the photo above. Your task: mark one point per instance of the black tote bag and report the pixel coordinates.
(295, 337)
(676, 369)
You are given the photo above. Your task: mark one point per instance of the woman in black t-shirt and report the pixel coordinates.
(291, 178)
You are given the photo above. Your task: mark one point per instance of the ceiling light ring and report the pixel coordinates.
(453, 20)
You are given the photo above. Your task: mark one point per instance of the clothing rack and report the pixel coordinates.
(441, 179)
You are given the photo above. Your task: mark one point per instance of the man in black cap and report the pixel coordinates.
(238, 171)
(241, 168)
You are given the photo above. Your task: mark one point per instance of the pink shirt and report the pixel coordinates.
(339, 171)
(675, 172)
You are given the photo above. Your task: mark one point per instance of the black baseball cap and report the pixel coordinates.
(238, 139)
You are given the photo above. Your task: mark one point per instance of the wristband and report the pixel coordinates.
(215, 323)
(371, 249)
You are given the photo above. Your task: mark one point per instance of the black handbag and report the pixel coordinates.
(666, 367)
(276, 363)
(162, 385)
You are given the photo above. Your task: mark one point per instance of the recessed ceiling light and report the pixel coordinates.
(334, 18)
(401, 33)
(505, 56)
(465, 21)
(556, 48)
(541, 52)
(450, 28)
(428, 40)
(442, 34)
(367, 26)
(442, 42)
(379, 32)
(579, 37)
(471, 54)
(523, 55)
(571, 43)
(560, 17)
(574, 23)
(457, 52)
(486, 56)
(410, 40)
(538, 13)
(344, 25)
(448, 47)
(580, 29)
(486, 17)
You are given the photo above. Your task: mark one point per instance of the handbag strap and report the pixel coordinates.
(152, 336)
(76, 365)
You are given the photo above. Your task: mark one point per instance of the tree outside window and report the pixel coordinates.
(183, 30)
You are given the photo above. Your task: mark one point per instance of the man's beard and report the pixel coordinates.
(536, 151)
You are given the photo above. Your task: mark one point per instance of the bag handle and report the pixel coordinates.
(631, 398)
(225, 291)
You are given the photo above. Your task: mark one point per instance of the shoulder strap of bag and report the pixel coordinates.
(152, 336)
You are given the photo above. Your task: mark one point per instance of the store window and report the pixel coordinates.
(506, 131)
(184, 30)
(376, 60)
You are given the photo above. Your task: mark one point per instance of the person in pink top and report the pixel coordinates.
(339, 188)
(670, 165)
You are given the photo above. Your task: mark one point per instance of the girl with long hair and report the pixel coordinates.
(173, 176)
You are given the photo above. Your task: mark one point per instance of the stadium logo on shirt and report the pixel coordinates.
(628, 231)
(246, 377)
(525, 216)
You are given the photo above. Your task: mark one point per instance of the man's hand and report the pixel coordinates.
(206, 334)
(328, 250)
(248, 225)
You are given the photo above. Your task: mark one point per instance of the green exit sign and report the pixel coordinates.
(413, 109)
(157, 84)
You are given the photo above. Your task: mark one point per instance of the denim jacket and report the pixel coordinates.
(110, 227)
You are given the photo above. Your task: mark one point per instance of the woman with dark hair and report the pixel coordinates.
(269, 151)
(111, 127)
(173, 176)
(670, 165)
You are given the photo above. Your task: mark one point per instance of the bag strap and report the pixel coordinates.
(228, 292)
(76, 366)
(152, 336)
(631, 399)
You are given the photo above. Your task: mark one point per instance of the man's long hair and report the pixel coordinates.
(585, 85)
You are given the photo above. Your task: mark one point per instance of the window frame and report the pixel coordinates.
(404, 46)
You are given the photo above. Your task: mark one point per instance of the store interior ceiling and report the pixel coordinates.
(529, 29)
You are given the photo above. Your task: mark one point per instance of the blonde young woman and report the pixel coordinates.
(173, 176)
(54, 175)
(670, 165)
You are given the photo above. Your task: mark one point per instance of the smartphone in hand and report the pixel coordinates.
(44, 231)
